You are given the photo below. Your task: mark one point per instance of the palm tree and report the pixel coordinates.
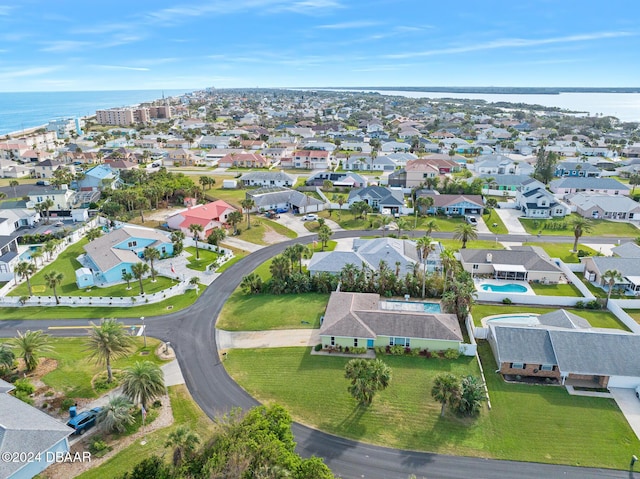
(36, 255)
(46, 206)
(25, 270)
(143, 382)
(139, 270)
(94, 233)
(431, 226)
(30, 346)
(196, 229)
(116, 414)
(184, 442)
(251, 283)
(126, 276)
(247, 204)
(108, 341)
(446, 390)
(383, 222)
(296, 252)
(53, 279)
(424, 245)
(465, 232)
(6, 357)
(280, 267)
(151, 254)
(472, 395)
(324, 234)
(612, 276)
(177, 238)
(367, 377)
(402, 224)
(233, 219)
(13, 184)
(580, 226)
(449, 265)
(49, 247)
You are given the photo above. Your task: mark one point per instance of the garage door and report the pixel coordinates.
(628, 382)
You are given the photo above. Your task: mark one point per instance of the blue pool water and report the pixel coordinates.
(26, 256)
(519, 319)
(432, 308)
(503, 288)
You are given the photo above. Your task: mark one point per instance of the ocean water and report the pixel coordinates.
(21, 110)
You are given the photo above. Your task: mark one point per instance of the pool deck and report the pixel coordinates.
(503, 317)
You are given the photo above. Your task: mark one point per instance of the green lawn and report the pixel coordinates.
(596, 318)
(206, 258)
(555, 289)
(527, 423)
(493, 218)
(600, 228)
(634, 313)
(67, 264)
(257, 312)
(259, 226)
(171, 305)
(599, 292)
(563, 251)
(455, 245)
(185, 412)
(279, 228)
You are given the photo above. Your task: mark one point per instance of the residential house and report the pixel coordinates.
(520, 263)
(368, 163)
(595, 268)
(112, 255)
(379, 198)
(609, 207)
(284, 199)
(338, 179)
(98, 178)
(395, 147)
(209, 216)
(182, 157)
(8, 257)
(267, 178)
(12, 219)
(11, 169)
(605, 186)
(454, 205)
(361, 320)
(243, 160)
(445, 163)
(502, 185)
(45, 168)
(565, 348)
(63, 198)
(536, 202)
(577, 169)
(31, 438)
(311, 159)
(501, 165)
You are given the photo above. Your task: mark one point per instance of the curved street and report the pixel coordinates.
(192, 334)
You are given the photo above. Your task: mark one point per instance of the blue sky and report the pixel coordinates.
(140, 44)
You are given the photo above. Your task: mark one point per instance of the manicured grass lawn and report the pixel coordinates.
(599, 292)
(596, 318)
(176, 303)
(493, 218)
(185, 412)
(331, 245)
(600, 228)
(528, 423)
(67, 264)
(555, 289)
(634, 313)
(455, 245)
(563, 251)
(206, 258)
(257, 312)
(253, 235)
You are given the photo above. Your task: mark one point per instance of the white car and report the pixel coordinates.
(472, 220)
(310, 217)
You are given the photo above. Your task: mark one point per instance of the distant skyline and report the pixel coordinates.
(139, 44)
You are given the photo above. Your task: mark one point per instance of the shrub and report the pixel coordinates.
(24, 386)
(66, 404)
(579, 305)
(452, 354)
(380, 349)
(396, 350)
(97, 445)
(582, 253)
(506, 301)
(593, 304)
(24, 397)
(317, 347)
(156, 404)
(48, 394)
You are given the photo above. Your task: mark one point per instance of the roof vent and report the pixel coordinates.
(489, 257)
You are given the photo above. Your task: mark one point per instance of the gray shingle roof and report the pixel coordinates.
(264, 197)
(627, 250)
(333, 261)
(626, 266)
(385, 196)
(523, 345)
(532, 258)
(563, 319)
(24, 428)
(266, 176)
(589, 183)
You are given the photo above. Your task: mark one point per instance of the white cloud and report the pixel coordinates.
(349, 25)
(25, 72)
(513, 43)
(5, 10)
(122, 67)
(64, 46)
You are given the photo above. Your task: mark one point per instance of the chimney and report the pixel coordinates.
(489, 257)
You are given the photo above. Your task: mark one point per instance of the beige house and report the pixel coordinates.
(520, 263)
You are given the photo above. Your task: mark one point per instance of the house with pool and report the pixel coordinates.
(363, 320)
(520, 263)
(564, 348)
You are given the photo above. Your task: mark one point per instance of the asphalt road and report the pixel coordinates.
(192, 335)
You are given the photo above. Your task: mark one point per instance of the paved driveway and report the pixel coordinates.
(510, 219)
(294, 223)
(267, 339)
(629, 404)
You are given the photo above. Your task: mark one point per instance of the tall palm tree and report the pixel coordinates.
(30, 346)
(424, 245)
(94, 233)
(383, 222)
(25, 270)
(116, 414)
(247, 204)
(233, 219)
(36, 255)
(143, 382)
(612, 276)
(465, 232)
(449, 265)
(580, 226)
(296, 252)
(151, 254)
(53, 280)
(47, 205)
(108, 341)
(48, 248)
(126, 276)
(280, 267)
(139, 270)
(431, 226)
(177, 238)
(446, 390)
(184, 442)
(402, 224)
(13, 184)
(196, 229)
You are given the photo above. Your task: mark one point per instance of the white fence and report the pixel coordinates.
(616, 305)
(529, 299)
(75, 301)
(472, 348)
(569, 273)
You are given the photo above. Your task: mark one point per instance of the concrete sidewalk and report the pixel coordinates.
(267, 339)
(629, 404)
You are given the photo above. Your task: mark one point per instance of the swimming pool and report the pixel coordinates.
(26, 255)
(519, 319)
(432, 308)
(503, 288)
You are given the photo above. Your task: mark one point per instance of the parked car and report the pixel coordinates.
(84, 420)
(472, 220)
(310, 217)
(272, 215)
(43, 183)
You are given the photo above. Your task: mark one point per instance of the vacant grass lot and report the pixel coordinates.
(600, 228)
(563, 251)
(258, 312)
(347, 220)
(555, 289)
(527, 423)
(597, 319)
